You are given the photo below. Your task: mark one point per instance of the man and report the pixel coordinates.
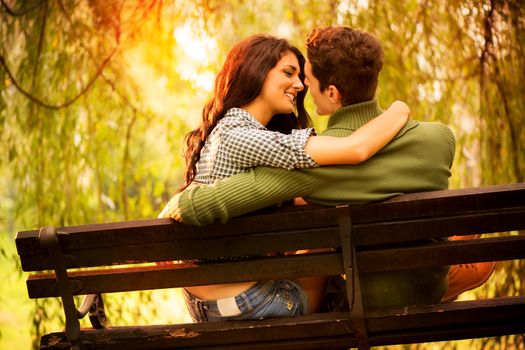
(342, 73)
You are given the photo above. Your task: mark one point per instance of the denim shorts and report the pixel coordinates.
(262, 300)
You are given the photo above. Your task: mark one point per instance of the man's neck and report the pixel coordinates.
(355, 115)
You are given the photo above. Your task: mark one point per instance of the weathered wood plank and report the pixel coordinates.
(412, 324)
(158, 277)
(248, 244)
(442, 203)
(440, 226)
(162, 230)
(442, 253)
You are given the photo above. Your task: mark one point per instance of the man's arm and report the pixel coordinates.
(254, 189)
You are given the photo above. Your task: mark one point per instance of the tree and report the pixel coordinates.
(95, 97)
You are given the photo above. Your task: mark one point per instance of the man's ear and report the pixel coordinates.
(333, 94)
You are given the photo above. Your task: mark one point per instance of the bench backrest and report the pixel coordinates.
(397, 230)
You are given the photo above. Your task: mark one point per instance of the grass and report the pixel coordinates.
(15, 306)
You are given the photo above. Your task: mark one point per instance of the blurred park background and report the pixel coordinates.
(96, 96)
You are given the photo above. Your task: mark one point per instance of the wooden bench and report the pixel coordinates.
(397, 231)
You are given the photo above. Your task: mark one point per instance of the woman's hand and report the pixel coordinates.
(401, 108)
(171, 210)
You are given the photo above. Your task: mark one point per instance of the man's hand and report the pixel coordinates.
(171, 210)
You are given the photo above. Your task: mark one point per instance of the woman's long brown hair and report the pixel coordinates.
(239, 82)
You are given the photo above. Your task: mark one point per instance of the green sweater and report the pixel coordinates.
(418, 159)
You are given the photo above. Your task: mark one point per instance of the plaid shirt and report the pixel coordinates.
(239, 142)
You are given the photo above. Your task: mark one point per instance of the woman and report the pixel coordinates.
(255, 96)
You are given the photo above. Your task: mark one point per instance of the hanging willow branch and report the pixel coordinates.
(92, 56)
(21, 13)
(44, 104)
(40, 45)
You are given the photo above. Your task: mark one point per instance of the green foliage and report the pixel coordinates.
(95, 97)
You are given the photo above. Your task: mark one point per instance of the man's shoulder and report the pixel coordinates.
(437, 138)
(434, 125)
(433, 129)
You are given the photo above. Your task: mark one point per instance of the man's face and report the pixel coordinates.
(321, 98)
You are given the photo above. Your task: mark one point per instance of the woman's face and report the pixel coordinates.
(281, 85)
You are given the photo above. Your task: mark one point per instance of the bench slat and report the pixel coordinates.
(439, 226)
(158, 277)
(253, 244)
(442, 203)
(443, 253)
(163, 230)
(436, 323)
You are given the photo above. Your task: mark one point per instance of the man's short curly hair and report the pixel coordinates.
(347, 58)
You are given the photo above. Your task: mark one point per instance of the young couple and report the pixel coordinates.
(255, 125)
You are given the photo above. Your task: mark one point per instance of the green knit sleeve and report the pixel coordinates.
(242, 193)
(446, 134)
(452, 141)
